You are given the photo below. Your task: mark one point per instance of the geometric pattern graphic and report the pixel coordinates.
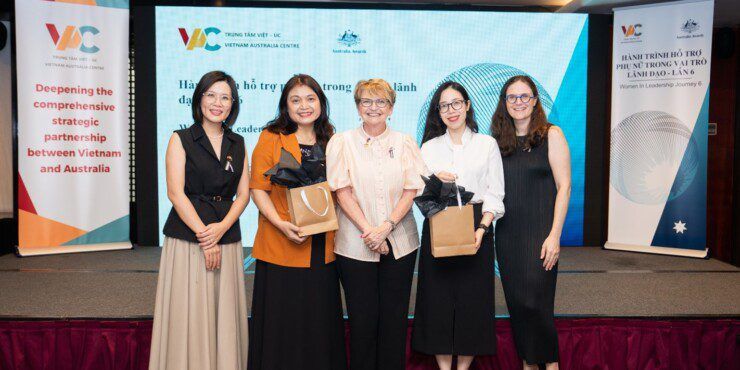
(24, 200)
(649, 150)
(121, 4)
(38, 231)
(112, 232)
(684, 219)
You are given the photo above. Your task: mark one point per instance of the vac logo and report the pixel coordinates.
(632, 30)
(72, 38)
(199, 38)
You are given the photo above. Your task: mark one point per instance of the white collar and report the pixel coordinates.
(465, 139)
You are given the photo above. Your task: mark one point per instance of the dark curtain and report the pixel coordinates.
(584, 344)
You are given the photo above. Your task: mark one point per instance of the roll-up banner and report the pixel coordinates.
(72, 101)
(660, 98)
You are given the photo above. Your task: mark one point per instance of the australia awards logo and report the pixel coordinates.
(80, 38)
(690, 26)
(631, 33)
(689, 29)
(199, 38)
(349, 39)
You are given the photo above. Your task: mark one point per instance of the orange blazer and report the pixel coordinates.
(270, 244)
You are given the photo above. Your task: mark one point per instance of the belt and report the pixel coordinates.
(210, 198)
(211, 201)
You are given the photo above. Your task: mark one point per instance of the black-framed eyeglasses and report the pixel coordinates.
(380, 103)
(455, 104)
(211, 97)
(525, 98)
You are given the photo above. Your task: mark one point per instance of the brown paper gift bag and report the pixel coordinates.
(452, 231)
(312, 209)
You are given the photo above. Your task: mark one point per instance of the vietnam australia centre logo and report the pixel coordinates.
(632, 30)
(200, 38)
(74, 38)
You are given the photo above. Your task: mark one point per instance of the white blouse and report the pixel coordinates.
(378, 169)
(477, 164)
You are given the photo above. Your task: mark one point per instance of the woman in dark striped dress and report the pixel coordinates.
(536, 163)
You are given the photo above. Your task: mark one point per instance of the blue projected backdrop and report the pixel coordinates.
(414, 50)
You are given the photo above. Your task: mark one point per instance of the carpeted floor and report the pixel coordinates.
(592, 283)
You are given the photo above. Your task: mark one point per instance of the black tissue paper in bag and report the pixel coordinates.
(291, 174)
(438, 195)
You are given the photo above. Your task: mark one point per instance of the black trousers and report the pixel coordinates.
(377, 296)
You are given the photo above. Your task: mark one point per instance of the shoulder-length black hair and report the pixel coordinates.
(434, 126)
(282, 124)
(502, 124)
(204, 84)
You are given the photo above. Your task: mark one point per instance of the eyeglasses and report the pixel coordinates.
(210, 97)
(525, 98)
(455, 104)
(380, 103)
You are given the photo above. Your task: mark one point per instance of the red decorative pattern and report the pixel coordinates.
(24, 199)
(584, 344)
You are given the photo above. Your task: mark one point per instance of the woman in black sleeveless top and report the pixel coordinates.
(537, 180)
(200, 317)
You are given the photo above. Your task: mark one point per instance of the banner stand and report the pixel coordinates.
(658, 250)
(659, 128)
(72, 188)
(39, 251)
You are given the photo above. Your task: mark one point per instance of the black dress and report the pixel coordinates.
(528, 288)
(297, 315)
(455, 311)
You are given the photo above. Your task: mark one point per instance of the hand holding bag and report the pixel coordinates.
(310, 202)
(452, 231)
(451, 219)
(312, 209)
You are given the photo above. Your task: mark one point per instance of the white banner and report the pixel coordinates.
(660, 97)
(72, 65)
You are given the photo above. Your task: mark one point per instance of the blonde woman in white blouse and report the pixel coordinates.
(454, 313)
(375, 172)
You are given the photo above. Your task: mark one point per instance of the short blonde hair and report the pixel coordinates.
(375, 86)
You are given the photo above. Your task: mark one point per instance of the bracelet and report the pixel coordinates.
(484, 227)
(393, 224)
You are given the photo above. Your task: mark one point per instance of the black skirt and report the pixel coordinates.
(455, 311)
(297, 316)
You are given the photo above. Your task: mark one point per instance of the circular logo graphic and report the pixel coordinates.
(648, 148)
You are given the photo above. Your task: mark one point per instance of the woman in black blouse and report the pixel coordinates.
(200, 317)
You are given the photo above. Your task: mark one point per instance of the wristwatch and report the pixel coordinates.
(486, 229)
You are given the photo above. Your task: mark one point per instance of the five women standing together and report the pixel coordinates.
(523, 170)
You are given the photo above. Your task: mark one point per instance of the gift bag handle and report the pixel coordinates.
(304, 198)
(459, 199)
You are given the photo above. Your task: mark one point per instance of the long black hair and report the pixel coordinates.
(502, 124)
(434, 126)
(204, 84)
(282, 124)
